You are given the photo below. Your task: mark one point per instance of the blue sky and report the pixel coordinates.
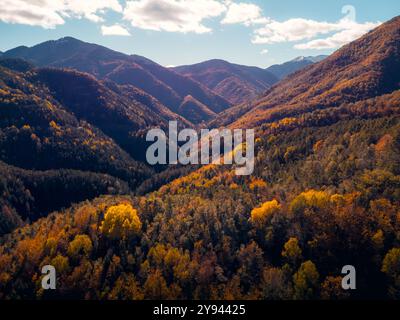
(176, 32)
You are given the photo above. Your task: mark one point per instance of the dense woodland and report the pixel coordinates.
(325, 192)
(322, 197)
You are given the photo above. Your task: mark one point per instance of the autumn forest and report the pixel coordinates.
(76, 191)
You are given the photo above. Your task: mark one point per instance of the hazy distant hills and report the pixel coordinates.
(284, 69)
(236, 83)
(239, 83)
(163, 84)
(365, 68)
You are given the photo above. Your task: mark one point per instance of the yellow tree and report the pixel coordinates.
(391, 267)
(120, 222)
(267, 209)
(305, 281)
(311, 198)
(291, 250)
(80, 245)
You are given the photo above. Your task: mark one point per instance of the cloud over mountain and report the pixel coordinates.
(297, 29)
(352, 31)
(246, 13)
(114, 30)
(171, 15)
(48, 14)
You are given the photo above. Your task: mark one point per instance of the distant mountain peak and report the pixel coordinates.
(69, 38)
(309, 58)
(289, 67)
(299, 58)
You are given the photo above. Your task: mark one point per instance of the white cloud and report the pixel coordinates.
(291, 30)
(89, 8)
(172, 15)
(39, 13)
(50, 13)
(115, 30)
(340, 38)
(245, 13)
(188, 16)
(265, 51)
(297, 29)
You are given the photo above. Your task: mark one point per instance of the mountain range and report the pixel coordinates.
(168, 87)
(236, 83)
(217, 84)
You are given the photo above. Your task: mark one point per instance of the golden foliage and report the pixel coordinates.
(383, 143)
(60, 263)
(257, 184)
(54, 125)
(81, 244)
(259, 215)
(305, 280)
(311, 198)
(291, 250)
(120, 222)
(391, 266)
(391, 263)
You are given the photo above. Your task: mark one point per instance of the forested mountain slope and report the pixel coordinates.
(362, 69)
(165, 85)
(43, 127)
(325, 193)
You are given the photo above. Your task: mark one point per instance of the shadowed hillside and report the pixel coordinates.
(27, 195)
(38, 132)
(167, 86)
